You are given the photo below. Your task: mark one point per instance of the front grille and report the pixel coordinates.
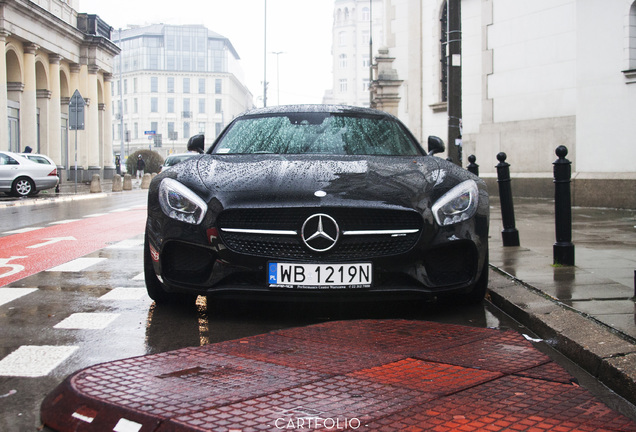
(292, 219)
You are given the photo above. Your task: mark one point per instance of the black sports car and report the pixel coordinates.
(316, 201)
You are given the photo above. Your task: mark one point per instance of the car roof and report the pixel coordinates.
(315, 108)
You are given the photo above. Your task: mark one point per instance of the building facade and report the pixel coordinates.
(49, 52)
(175, 82)
(356, 23)
(535, 75)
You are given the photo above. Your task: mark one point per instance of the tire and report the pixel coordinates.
(22, 186)
(155, 288)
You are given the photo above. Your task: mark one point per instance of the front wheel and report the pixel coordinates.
(22, 186)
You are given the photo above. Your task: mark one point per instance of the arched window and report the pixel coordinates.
(365, 14)
(443, 39)
(631, 64)
(346, 14)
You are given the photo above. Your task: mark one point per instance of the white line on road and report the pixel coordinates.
(22, 230)
(34, 361)
(9, 294)
(87, 321)
(64, 221)
(127, 244)
(77, 265)
(122, 293)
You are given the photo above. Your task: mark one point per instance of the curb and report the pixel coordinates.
(607, 355)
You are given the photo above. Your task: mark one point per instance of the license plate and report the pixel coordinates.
(307, 276)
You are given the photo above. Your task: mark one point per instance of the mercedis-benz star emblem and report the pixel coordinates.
(320, 232)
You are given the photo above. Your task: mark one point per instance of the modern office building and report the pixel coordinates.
(50, 51)
(356, 23)
(172, 82)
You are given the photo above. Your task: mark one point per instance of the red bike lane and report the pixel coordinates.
(27, 253)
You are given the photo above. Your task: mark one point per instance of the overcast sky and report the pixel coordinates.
(301, 29)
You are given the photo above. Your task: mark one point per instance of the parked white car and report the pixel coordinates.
(20, 176)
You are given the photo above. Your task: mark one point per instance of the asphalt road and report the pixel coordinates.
(70, 304)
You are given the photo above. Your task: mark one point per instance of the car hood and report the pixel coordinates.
(276, 180)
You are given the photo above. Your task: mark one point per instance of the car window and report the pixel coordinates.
(317, 133)
(38, 159)
(8, 160)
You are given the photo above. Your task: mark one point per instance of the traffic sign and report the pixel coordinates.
(150, 132)
(76, 111)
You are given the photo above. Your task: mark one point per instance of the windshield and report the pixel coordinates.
(317, 133)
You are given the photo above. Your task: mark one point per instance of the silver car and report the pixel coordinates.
(21, 177)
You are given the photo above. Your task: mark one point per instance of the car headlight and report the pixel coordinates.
(457, 205)
(180, 203)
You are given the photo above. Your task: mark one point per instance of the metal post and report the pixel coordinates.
(563, 249)
(453, 64)
(370, 51)
(509, 234)
(265, 58)
(472, 166)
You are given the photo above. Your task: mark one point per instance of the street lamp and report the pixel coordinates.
(265, 57)
(277, 76)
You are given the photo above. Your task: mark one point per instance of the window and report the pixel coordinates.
(202, 106)
(218, 86)
(342, 38)
(218, 128)
(135, 106)
(201, 128)
(631, 66)
(343, 61)
(136, 130)
(134, 85)
(343, 85)
(154, 104)
(126, 107)
(443, 60)
(366, 13)
(186, 129)
(125, 86)
(186, 107)
(170, 107)
(365, 61)
(218, 106)
(154, 126)
(154, 84)
(170, 84)
(201, 85)
(186, 85)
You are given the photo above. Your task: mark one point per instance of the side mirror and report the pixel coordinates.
(435, 145)
(196, 143)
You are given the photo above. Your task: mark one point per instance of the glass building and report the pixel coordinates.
(172, 82)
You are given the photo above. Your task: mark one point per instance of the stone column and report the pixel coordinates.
(28, 106)
(93, 144)
(4, 133)
(107, 129)
(55, 110)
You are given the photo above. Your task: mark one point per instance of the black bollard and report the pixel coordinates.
(563, 249)
(510, 235)
(472, 166)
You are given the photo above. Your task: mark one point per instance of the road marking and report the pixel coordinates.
(121, 293)
(127, 244)
(77, 265)
(87, 321)
(62, 222)
(125, 425)
(9, 294)
(140, 276)
(95, 215)
(34, 361)
(22, 230)
(15, 268)
(51, 241)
